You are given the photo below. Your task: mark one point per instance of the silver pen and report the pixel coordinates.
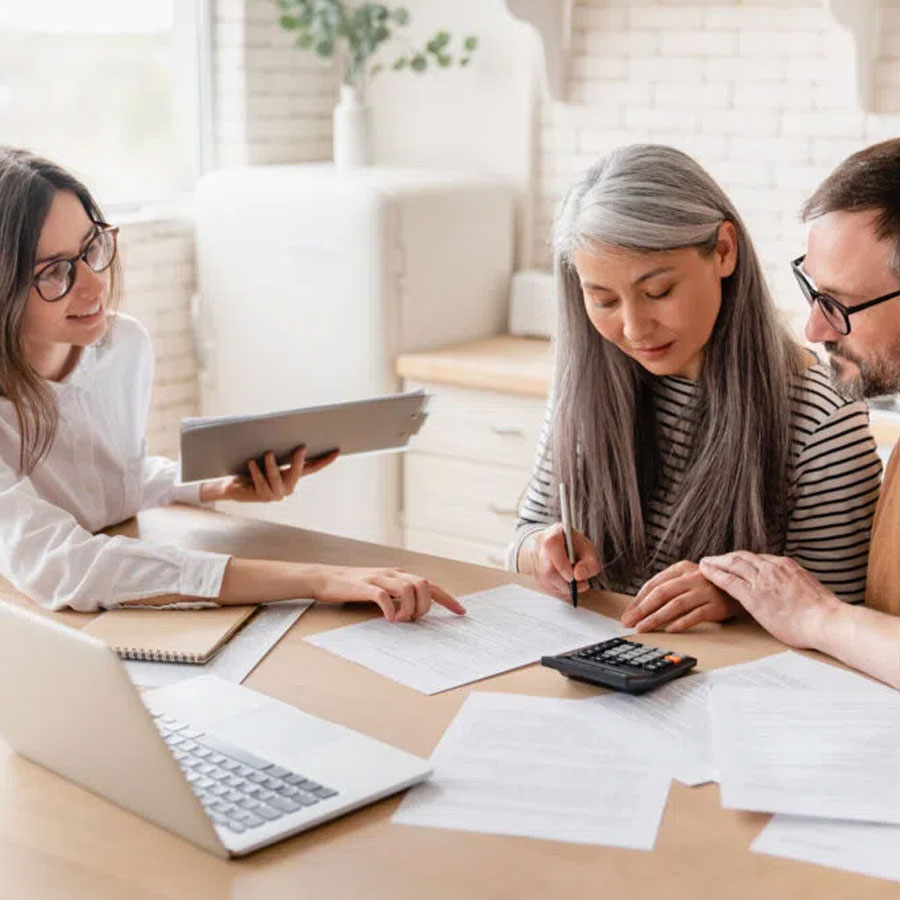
(567, 531)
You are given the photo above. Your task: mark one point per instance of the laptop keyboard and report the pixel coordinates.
(238, 790)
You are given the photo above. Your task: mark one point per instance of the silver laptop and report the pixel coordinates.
(219, 764)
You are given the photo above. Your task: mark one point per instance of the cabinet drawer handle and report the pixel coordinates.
(508, 431)
(510, 511)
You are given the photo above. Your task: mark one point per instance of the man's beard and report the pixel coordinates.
(877, 376)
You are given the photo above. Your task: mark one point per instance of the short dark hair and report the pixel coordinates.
(867, 180)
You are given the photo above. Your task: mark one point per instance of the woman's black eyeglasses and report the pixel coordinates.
(836, 314)
(55, 280)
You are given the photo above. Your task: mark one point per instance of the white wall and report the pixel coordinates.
(475, 117)
(479, 118)
(761, 93)
(272, 104)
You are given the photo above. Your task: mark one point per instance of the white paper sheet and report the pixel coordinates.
(504, 628)
(675, 717)
(672, 722)
(237, 659)
(539, 767)
(859, 847)
(829, 753)
(793, 670)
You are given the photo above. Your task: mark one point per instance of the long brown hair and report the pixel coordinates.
(28, 185)
(734, 492)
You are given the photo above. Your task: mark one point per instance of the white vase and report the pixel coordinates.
(351, 129)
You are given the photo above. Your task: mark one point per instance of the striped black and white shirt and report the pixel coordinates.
(833, 482)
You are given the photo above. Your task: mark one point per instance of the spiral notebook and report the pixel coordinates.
(169, 635)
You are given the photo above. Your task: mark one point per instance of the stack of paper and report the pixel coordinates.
(823, 760)
(675, 718)
(811, 753)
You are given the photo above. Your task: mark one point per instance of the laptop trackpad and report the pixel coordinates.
(283, 735)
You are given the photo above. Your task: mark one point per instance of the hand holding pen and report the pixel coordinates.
(548, 560)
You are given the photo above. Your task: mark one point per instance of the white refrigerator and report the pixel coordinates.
(312, 281)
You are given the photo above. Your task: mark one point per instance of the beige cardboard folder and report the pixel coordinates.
(169, 635)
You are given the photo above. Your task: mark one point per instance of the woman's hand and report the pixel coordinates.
(549, 562)
(676, 599)
(401, 596)
(276, 484)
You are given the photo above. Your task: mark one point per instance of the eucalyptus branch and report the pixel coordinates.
(355, 34)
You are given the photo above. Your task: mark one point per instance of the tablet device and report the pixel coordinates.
(222, 445)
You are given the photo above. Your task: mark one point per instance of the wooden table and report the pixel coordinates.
(59, 841)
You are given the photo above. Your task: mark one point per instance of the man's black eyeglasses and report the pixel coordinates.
(836, 314)
(55, 280)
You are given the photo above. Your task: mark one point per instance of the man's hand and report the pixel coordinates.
(778, 592)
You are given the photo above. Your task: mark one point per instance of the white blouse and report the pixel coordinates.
(97, 473)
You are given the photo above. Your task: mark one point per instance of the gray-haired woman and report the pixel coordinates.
(685, 420)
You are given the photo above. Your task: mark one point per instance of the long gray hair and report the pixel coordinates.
(604, 443)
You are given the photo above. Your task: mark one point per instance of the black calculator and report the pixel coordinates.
(622, 665)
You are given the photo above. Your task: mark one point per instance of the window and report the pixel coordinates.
(107, 88)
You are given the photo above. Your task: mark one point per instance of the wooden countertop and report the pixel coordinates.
(503, 363)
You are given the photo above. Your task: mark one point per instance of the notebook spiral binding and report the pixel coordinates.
(156, 655)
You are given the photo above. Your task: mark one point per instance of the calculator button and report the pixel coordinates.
(672, 658)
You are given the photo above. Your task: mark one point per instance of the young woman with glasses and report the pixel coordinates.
(685, 421)
(75, 381)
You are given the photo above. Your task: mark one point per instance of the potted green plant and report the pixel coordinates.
(353, 35)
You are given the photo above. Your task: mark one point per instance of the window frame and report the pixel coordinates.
(192, 116)
(193, 112)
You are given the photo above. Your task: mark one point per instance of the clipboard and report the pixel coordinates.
(215, 446)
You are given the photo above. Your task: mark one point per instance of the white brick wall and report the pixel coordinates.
(158, 281)
(759, 91)
(272, 101)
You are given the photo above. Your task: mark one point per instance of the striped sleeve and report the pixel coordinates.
(835, 485)
(535, 507)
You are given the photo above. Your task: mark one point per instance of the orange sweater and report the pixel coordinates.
(883, 578)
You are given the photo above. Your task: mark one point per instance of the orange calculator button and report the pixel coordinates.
(673, 659)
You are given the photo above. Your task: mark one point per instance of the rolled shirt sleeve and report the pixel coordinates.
(47, 555)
